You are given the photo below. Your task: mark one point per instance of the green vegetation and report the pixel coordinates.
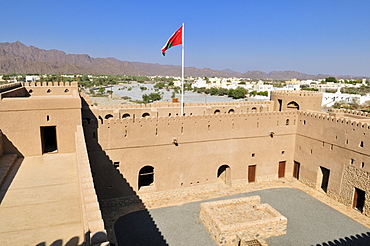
(261, 93)
(234, 93)
(151, 97)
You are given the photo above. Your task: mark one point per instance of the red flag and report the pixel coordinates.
(174, 40)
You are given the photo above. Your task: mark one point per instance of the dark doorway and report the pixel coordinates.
(280, 104)
(48, 139)
(146, 176)
(296, 168)
(359, 200)
(281, 171)
(223, 174)
(325, 178)
(251, 173)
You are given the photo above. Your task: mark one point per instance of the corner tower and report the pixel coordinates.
(296, 100)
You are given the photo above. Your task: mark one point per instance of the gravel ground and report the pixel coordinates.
(310, 222)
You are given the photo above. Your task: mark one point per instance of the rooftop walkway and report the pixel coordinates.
(40, 204)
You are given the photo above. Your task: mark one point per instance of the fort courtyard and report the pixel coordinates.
(77, 174)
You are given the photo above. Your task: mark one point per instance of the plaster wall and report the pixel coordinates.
(204, 143)
(22, 117)
(335, 144)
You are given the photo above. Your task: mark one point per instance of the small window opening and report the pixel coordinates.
(108, 116)
(30, 91)
(66, 91)
(217, 111)
(362, 164)
(47, 118)
(116, 164)
(231, 111)
(48, 91)
(287, 122)
(145, 115)
(352, 161)
(362, 144)
(125, 116)
(253, 154)
(146, 176)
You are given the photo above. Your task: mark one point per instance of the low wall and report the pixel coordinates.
(93, 224)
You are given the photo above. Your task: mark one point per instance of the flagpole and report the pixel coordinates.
(182, 71)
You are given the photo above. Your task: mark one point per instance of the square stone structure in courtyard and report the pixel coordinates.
(231, 221)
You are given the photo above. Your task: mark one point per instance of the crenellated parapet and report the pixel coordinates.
(297, 93)
(173, 109)
(51, 88)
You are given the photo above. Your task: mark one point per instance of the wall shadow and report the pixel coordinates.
(9, 148)
(354, 240)
(126, 219)
(72, 242)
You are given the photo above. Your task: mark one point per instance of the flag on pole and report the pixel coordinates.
(174, 40)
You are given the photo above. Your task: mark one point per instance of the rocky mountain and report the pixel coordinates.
(19, 58)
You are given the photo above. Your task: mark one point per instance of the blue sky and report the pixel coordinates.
(310, 36)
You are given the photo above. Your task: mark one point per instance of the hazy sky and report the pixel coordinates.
(310, 36)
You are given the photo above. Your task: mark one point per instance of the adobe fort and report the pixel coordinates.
(63, 160)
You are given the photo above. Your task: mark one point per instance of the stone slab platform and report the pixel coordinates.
(228, 221)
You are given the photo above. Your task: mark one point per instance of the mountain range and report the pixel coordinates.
(18, 58)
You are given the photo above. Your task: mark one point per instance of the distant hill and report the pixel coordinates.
(19, 58)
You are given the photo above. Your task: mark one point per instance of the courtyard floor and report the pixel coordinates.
(313, 218)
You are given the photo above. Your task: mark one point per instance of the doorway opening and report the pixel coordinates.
(49, 139)
(281, 171)
(251, 173)
(296, 168)
(280, 104)
(324, 174)
(146, 176)
(223, 174)
(359, 200)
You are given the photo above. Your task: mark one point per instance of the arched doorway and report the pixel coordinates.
(223, 174)
(146, 177)
(292, 106)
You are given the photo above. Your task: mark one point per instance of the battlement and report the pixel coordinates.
(194, 118)
(349, 113)
(297, 93)
(51, 84)
(354, 122)
(174, 105)
(51, 88)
